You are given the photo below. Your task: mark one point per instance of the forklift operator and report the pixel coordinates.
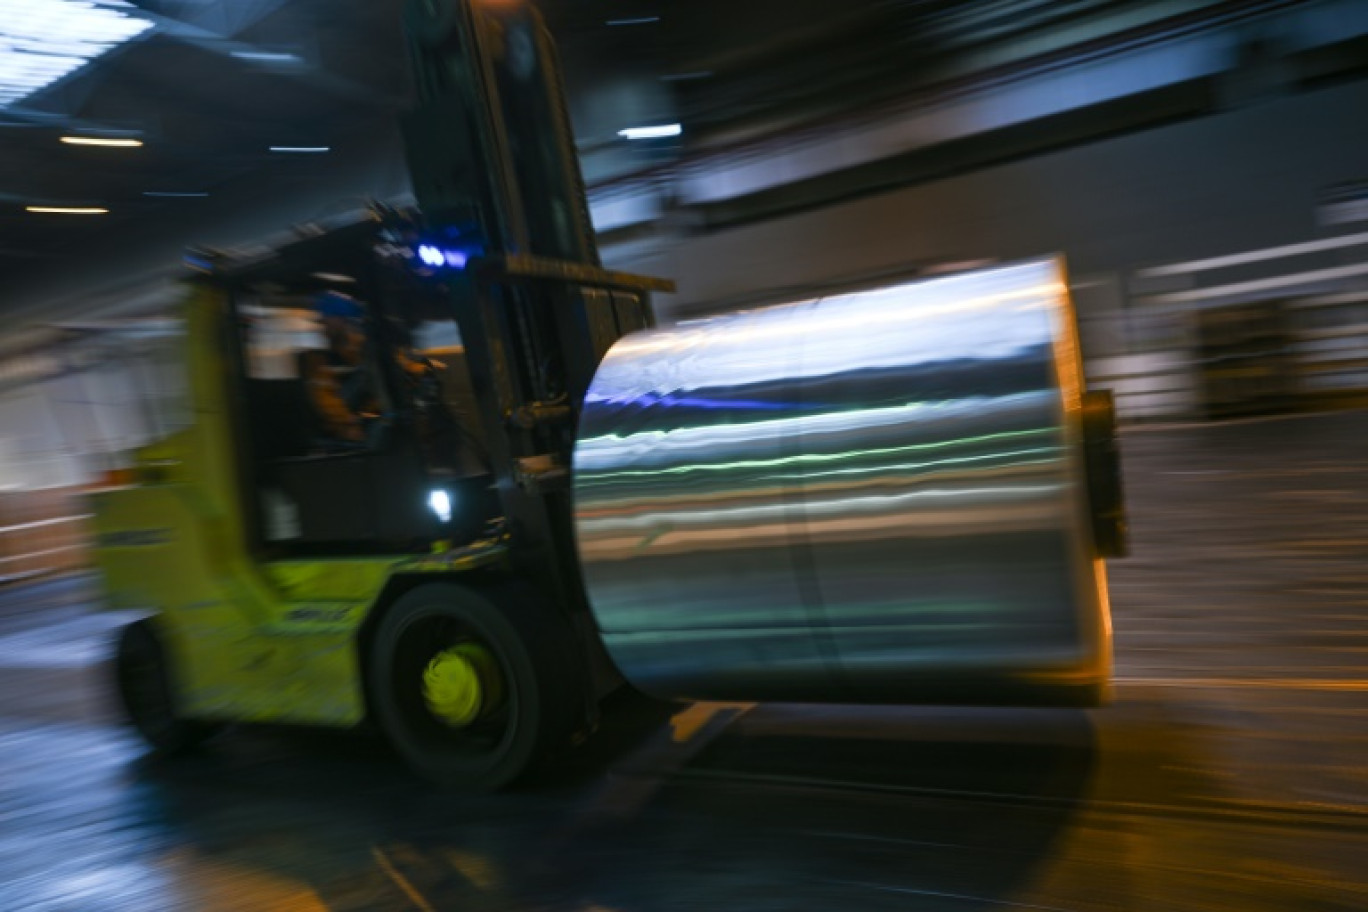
(340, 386)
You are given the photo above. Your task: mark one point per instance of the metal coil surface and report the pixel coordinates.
(868, 497)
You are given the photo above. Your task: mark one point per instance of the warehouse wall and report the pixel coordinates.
(1238, 180)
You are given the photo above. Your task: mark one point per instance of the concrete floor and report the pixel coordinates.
(1229, 774)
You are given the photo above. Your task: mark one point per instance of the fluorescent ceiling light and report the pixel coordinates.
(41, 41)
(307, 149)
(175, 194)
(267, 57)
(641, 20)
(101, 141)
(655, 132)
(68, 210)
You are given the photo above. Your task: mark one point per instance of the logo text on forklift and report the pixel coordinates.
(134, 538)
(322, 613)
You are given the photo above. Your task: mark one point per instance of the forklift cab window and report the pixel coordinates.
(347, 451)
(157, 355)
(274, 334)
(322, 377)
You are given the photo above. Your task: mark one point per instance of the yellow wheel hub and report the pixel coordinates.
(461, 684)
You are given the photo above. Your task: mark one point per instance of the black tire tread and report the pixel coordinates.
(163, 728)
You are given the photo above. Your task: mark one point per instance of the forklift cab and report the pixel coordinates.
(413, 471)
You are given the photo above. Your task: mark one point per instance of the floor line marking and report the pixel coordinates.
(401, 881)
(1343, 685)
(981, 900)
(1304, 814)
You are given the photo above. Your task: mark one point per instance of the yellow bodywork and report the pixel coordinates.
(249, 640)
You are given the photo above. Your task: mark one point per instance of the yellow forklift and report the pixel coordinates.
(899, 495)
(421, 572)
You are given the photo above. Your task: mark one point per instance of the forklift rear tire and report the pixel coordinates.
(474, 686)
(143, 680)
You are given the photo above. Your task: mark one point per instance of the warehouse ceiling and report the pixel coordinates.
(233, 99)
(207, 89)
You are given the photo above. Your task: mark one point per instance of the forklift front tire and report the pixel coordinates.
(474, 686)
(143, 683)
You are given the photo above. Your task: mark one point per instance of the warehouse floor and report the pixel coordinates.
(1228, 774)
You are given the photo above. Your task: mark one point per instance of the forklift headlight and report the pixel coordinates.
(440, 502)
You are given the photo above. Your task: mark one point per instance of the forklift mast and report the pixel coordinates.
(495, 173)
(490, 146)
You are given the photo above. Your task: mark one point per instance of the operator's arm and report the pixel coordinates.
(325, 395)
(416, 366)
